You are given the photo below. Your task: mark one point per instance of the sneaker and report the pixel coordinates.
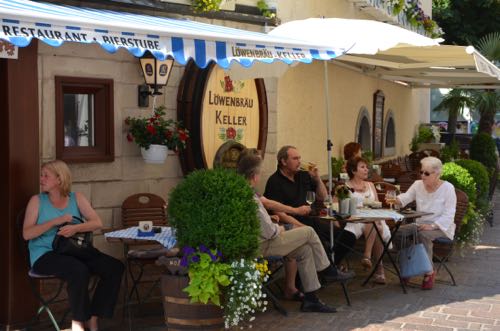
(335, 275)
(316, 307)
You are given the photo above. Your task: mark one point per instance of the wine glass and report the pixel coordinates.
(328, 204)
(390, 197)
(310, 197)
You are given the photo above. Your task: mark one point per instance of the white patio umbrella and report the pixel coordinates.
(358, 36)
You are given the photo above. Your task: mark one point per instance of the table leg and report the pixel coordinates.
(332, 242)
(384, 252)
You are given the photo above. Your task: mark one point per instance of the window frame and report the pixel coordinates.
(102, 89)
(362, 114)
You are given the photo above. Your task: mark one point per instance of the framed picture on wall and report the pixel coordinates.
(378, 122)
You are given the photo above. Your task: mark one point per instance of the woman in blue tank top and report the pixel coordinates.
(50, 213)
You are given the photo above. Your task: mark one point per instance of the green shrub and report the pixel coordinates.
(460, 178)
(337, 166)
(480, 175)
(450, 152)
(483, 149)
(425, 135)
(216, 208)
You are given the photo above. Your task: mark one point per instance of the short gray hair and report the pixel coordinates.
(283, 153)
(432, 162)
(249, 163)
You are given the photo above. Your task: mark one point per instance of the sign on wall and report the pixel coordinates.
(7, 50)
(222, 115)
(230, 112)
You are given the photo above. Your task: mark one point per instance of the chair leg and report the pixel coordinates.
(442, 263)
(275, 301)
(346, 293)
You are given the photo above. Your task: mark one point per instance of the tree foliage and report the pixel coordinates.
(464, 22)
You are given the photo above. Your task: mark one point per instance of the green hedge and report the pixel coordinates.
(461, 179)
(216, 208)
(480, 175)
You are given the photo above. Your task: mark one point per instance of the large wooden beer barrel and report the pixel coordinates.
(181, 314)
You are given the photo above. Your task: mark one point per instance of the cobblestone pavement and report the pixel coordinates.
(472, 305)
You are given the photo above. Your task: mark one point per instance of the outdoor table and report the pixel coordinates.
(130, 235)
(371, 216)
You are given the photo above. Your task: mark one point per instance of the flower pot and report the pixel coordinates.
(155, 154)
(344, 206)
(181, 314)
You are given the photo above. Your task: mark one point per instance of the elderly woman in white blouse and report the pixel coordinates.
(435, 196)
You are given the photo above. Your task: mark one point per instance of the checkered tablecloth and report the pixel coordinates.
(379, 213)
(166, 237)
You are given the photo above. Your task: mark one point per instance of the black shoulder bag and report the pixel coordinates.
(79, 245)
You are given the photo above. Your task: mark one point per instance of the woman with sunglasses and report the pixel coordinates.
(435, 196)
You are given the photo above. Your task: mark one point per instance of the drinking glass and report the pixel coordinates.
(390, 197)
(310, 197)
(328, 204)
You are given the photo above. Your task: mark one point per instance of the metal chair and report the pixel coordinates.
(35, 279)
(136, 208)
(443, 247)
(276, 266)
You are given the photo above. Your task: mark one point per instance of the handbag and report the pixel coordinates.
(78, 245)
(413, 260)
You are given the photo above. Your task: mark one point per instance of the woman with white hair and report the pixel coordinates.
(435, 196)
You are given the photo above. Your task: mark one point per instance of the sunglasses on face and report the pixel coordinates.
(425, 173)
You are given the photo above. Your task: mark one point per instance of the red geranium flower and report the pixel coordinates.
(130, 137)
(151, 129)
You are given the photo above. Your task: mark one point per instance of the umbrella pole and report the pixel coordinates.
(328, 145)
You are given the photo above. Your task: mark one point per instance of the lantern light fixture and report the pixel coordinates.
(156, 74)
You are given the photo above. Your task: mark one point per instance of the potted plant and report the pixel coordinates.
(343, 194)
(215, 219)
(156, 135)
(204, 6)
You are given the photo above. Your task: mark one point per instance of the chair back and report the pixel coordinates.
(144, 207)
(390, 170)
(415, 158)
(406, 179)
(461, 209)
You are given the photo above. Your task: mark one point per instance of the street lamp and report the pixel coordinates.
(156, 74)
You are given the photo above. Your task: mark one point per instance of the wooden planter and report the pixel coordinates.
(181, 314)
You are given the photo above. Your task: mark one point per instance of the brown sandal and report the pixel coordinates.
(366, 263)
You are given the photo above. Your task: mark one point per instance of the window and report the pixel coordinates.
(390, 135)
(363, 131)
(84, 119)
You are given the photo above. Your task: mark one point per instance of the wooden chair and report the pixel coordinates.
(391, 170)
(136, 208)
(443, 247)
(406, 179)
(414, 159)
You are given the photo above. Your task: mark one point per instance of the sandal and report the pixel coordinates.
(366, 263)
(297, 296)
(379, 279)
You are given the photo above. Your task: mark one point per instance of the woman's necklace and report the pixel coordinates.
(359, 187)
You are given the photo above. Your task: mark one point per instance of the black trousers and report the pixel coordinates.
(77, 272)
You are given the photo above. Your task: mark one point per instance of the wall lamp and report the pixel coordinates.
(156, 74)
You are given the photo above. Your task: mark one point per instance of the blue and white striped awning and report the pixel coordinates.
(23, 20)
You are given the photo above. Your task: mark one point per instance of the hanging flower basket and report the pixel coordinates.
(156, 135)
(156, 154)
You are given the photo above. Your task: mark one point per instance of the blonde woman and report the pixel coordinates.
(50, 213)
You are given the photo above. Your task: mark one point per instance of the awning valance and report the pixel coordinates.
(23, 20)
